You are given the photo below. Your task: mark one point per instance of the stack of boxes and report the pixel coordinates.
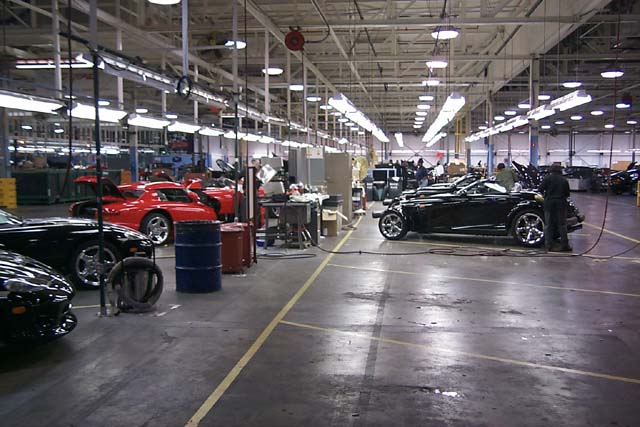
(8, 195)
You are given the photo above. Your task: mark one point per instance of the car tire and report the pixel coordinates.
(392, 225)
(528, 228)
(158, 227)
(84, 263)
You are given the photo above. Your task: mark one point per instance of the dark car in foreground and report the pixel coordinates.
(440, 188)
(627, 180)
(35, 301)
(482, 208)
(70, 245)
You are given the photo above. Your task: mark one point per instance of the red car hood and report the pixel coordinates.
(109, 189)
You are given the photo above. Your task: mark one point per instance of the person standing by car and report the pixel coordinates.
(421, 174)
(438, 172)
(506, 177)
(555, 189)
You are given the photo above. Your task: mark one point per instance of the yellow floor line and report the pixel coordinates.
(467, 354)
(213, 398)
(496, 282)
(613, 233)
(77, 307)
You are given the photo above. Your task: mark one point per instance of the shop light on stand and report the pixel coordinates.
(37, 104)
(147, 121)
(449, 109)
(182, 127)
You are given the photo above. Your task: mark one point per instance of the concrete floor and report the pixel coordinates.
(431, 340)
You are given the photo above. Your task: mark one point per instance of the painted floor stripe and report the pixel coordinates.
(466, 354)
(79, 307)
(613, 233)
(213, 398)
(496, 282)
(495, 248)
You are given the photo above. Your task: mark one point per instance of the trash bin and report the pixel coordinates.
(232, 239)
(198, 262)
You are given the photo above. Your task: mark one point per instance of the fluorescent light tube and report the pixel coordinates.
(147, 122)
(541, 112)
(18, 101)
(182, 127)
(399, 139)
(572, 100)
(88, 112)
(451, 106)
(207, 131)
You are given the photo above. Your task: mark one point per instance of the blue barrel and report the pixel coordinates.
(198, 260)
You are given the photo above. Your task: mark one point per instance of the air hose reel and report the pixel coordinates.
(134, 285)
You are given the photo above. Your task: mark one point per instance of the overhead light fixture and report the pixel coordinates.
(351, 124)
(417, 126)
(541, 112)
(103, 103)
(545, 127)
(421, 113)
(18, 101)
(572, 84)
(272, 71)
(343, 120)
(612, 74)
(449, 109)
(576, 118)
(49, 64)
(632, 122)
(482, 127)
(597, 113)
(609, 126)
(171, 116)
(343, 141)
(524, 106)
(436, 138)
(543, 97)
(572, 100)
(623, 105)
(314, 99)
(399, 139)
(420, 119)
(182, 127)
(510, 113)
(237, 44)
(265, 139)
(26, 127)
(88, 112)
(326, 107)
(437, 64)
(423, 107)
(559, 122)
(341, 103)
(296, 87)
(431, 82)
(425, 98)
(142, 110)
(147, 122)
(361, 133)
(498, 118)
(164, 2)
(445, 34)
(59, 130)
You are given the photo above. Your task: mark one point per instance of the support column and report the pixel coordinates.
(633, 144)
(236, 127)
(509, 155)
(534, 89)
(490, 139)
(55, 30)
(571, 145)
(5, 159)
(119, 80)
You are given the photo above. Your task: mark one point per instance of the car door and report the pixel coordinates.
(182, 207)
(438, 213)
(485, 208)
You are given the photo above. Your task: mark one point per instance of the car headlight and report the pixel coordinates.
(25, 285)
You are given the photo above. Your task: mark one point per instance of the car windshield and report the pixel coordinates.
(465, 180)
(7, 219)
(483, 187)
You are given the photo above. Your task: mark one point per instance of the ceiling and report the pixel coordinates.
(373, 51)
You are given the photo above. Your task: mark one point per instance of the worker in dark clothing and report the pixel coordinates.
(421, 174)
(555, 189)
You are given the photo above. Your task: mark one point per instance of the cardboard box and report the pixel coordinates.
(331, 222)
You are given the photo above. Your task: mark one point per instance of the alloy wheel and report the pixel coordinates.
(158, 229)
(87, 262)
(392, 225)
(530, 229)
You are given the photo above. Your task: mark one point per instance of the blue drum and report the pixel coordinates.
(198, 256)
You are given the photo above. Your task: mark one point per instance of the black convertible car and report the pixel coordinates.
(441, 188)
(35, 301)
(70, 245)
(483, 207)
(626, 180)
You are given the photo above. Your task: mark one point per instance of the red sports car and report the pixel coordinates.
(151, 208)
